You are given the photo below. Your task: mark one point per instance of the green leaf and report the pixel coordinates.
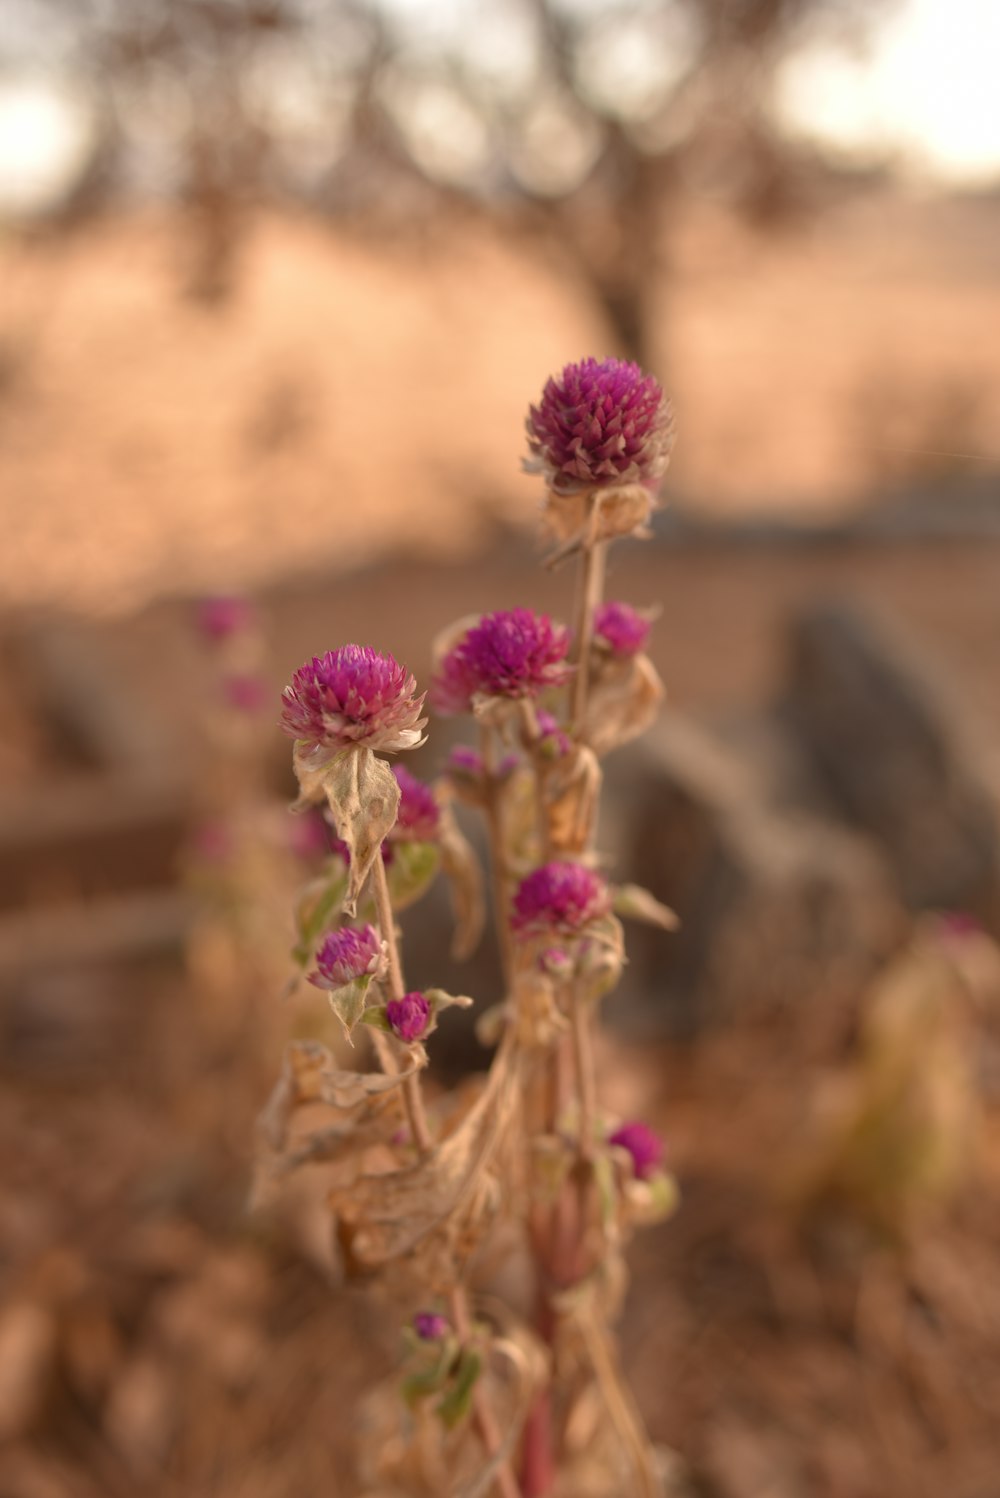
(637, 904)
(349, 1003)
(439, 999)
(432, 1379)
(457, 1401)
(411, 871)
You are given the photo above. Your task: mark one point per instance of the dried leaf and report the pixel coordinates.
(298, 1083)
(438, 998)
(572, 790)
(438, 1206)
(465, 882)
(347, 1089)
(349, 1002)
(637, 904)
(625, 697)
(364, 801)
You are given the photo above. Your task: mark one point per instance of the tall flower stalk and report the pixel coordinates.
(415, 1189)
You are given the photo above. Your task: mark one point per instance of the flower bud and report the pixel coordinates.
(408, 1017)
(431, 1326)
(348, 954)
(644, 1146)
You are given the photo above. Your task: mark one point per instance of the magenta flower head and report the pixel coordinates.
(419, 815)
(513, 653)
(560, 898)
(431, 1326)
(353, 698)
(348, 954)
(408, 1017)
(645, 1147)
(620, 628)
(600, 424)
(219, 618)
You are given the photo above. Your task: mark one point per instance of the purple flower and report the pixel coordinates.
(353, 697)
(431, 1326)
(554, 740)
(244, 693)
(347, 954)
(645, 1147)
(621, 628)
(463, 760)
(600, 424)
(513, 653)
(408, 1016)
(218, 618)
(559, 897)
(419, 814)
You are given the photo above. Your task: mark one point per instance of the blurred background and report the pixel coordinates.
(278, 279)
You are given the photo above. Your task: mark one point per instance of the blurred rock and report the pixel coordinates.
(778, 907)
(895, 756)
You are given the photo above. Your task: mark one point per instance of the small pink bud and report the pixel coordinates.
(408, 1016)
(347, 954)
(431, 1326)
(645, 1147)
(620, 628)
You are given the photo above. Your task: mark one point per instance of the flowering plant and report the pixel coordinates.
(489, 1403)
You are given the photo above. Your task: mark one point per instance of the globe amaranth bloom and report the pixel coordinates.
(419, 815)
(600, 424)
(409, 1016)
(559, 898)
(431, 1326)
(620, 628)
(645, 1147)
(353, 698)
(348, 954)
(513, 653)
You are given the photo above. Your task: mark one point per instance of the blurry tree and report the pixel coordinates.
(577, 120)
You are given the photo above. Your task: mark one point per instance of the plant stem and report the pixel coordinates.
(498, 854)
(485, 1422)
(586, 1081)
(482, 1414)
(412, 1098)
(590, 596)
